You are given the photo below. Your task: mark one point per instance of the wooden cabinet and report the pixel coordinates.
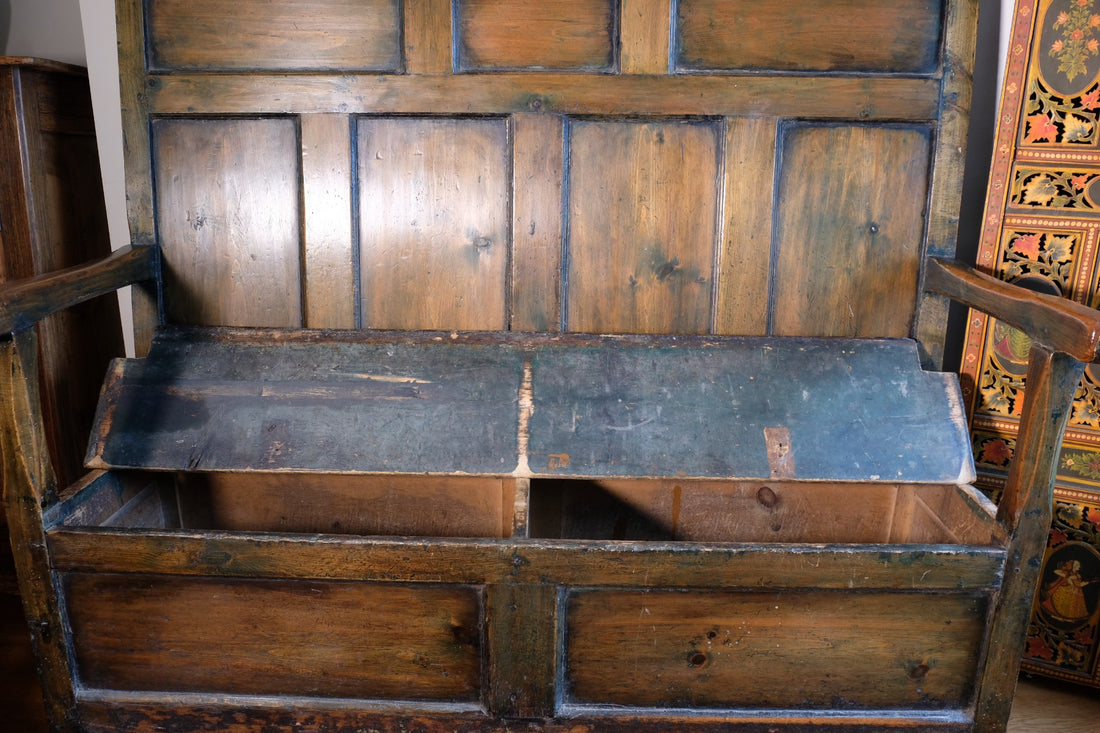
(1041, 227)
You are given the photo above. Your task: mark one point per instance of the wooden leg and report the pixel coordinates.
(29, 485)
(1025, 512)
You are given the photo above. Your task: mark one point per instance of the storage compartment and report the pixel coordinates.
(564, 509)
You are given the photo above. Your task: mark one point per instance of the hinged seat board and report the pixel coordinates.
(219, 400)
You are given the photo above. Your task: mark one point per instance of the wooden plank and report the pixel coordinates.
(434, 221)
(228, 202)
(428, 37)
(537, 177)
(806, 650)
(101, 710)
(572, 35)
(235, 400)
(684, 413)
(522, 633)
(255, 34)
(809, 35)
(635, 264)
(744, 264)
(326, 191)
(850, 227)
(840, 97)
(364, 505)
(334, 639)
(338, 407)
(644, 37)
(917, 568)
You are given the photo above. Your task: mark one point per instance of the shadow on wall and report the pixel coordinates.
(5, 25)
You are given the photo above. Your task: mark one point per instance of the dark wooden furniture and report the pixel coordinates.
(548, 365)
(1046, 241)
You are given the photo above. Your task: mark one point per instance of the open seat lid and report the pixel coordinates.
(533, 405)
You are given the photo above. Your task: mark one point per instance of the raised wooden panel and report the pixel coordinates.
(636, 263)
(208, 35)
(850, 224)
(228, 219)
(901, 36)
(434, 222)
(533, 34)
(644, 37)
(813, 650)
(271, 637)
(334, 504)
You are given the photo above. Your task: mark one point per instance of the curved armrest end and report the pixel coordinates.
(1059, 324)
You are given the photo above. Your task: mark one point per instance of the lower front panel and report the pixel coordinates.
(796, 650)
(276, 637)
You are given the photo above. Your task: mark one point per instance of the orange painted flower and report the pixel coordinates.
(1083, 3)
(1077, 34)
(1081, 181)
(1063, 18)
(1057, 47)
(995, 452)
(1091, 100)
(1094, 21)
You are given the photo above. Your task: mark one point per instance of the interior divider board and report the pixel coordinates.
(428, 36)
(911, 568)
(825, 97)
(644, 37)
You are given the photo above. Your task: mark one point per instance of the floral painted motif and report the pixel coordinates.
(1053, 189)
(1077, 42)
(1056, 119)
(1046, 254)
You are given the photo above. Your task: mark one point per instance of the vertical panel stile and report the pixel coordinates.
(428, 37)
(537, 222)
(744, 252)
(644, 36)
(329, 278)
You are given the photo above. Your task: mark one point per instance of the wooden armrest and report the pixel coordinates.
(1060, 325)
(25, 302)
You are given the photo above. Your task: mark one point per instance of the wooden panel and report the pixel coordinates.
(809, 35)
(765, 650)
(537, 213)
(428, 37)
(533, 34)
(635, 262)
(257, 34)
(228, 219)
(850, 226)
(366, 505)
(745, 256)
(434, 222)
(644, 37)
(326, 191)
(270, 637)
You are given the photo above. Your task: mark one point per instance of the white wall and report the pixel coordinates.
(43, 28)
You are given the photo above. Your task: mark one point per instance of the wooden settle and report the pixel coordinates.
(560, 366)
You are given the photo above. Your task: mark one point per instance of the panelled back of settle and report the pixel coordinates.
(557, 365)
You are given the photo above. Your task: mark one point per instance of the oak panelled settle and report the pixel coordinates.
(560, 365)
